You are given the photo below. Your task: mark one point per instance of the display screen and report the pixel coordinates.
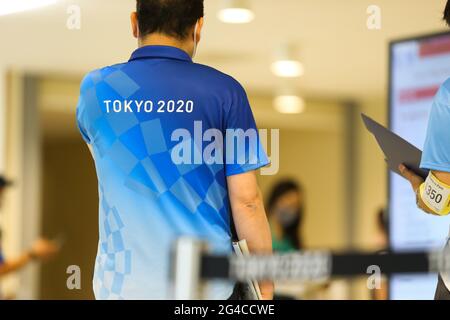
(418, 68)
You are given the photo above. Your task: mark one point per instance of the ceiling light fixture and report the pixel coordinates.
(286, 64)
(15, 6)
(287, 68)
(236, 12)
(289, 104)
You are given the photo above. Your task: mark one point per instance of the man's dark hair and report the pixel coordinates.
(171, 17)
(447, 13)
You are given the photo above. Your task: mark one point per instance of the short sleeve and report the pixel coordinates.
(244, 151)
(81, 111)
(436, 154)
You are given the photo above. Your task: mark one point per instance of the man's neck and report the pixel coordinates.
(157, 39)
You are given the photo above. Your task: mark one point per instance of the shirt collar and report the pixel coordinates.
(165, 52)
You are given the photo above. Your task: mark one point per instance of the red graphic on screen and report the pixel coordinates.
(434, 47)
(417, 94)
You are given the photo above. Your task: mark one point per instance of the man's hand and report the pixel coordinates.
(267, 290)
(416, 181)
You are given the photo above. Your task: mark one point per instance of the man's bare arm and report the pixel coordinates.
(250, 218)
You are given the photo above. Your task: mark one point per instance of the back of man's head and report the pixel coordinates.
(447, 13)
(170, 17)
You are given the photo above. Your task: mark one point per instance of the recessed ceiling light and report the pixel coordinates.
(289, 104)
(286, 62)
(288, 68)
(236, 11)
(15, 6)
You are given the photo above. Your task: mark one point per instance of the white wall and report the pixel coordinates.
(2, 131)
(11, 218)
(21, 207)
(2, 117)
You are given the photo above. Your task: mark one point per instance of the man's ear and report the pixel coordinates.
(200, 28)
(135, 24)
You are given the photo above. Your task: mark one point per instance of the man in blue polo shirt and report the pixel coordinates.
(175, 146)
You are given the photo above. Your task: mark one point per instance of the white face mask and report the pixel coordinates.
(195, 41)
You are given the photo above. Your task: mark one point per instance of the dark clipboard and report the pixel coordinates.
(396, 150)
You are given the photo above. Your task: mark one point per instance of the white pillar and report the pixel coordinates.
(2, 117)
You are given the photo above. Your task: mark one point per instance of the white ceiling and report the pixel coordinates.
(342, 58)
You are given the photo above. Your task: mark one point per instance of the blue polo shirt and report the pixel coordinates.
(158, 126)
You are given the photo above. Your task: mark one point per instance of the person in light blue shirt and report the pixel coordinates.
(436, 158)
(176, 147)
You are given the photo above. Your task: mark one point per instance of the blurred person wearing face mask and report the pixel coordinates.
(286, 212)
